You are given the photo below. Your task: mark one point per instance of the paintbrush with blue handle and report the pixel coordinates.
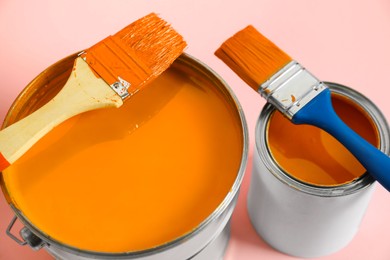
(296, 93)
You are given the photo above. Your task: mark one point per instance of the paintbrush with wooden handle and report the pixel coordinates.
(104, 75)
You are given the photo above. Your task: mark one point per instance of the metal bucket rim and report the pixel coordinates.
(229, 198)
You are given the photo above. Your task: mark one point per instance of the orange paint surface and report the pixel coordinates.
(132, 178)
(312, 155)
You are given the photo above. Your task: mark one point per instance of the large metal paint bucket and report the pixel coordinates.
(208, 241)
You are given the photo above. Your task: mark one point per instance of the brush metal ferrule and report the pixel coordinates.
(291, 88)
(121, 88)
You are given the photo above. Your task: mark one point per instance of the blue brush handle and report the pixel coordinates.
(319, 112)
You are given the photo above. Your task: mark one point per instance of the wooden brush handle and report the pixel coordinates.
(83, 91)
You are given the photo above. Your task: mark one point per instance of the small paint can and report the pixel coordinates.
(300, 218)
(207, 241)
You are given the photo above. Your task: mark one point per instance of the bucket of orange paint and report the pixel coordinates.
(157, 178)
(308, 194)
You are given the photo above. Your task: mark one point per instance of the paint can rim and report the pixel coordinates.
(218, 213)
(363, 182)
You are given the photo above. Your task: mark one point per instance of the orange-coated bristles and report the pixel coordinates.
(252, 56)
(137, 54)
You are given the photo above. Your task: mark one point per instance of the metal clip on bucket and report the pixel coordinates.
(28, 237)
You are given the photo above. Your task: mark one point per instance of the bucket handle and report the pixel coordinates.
(28, 237)
(15, 238)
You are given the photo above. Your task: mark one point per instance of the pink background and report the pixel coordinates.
(341, 41)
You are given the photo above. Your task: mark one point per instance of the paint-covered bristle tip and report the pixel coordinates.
(154, 40)
(252, 56)
(138, 53)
